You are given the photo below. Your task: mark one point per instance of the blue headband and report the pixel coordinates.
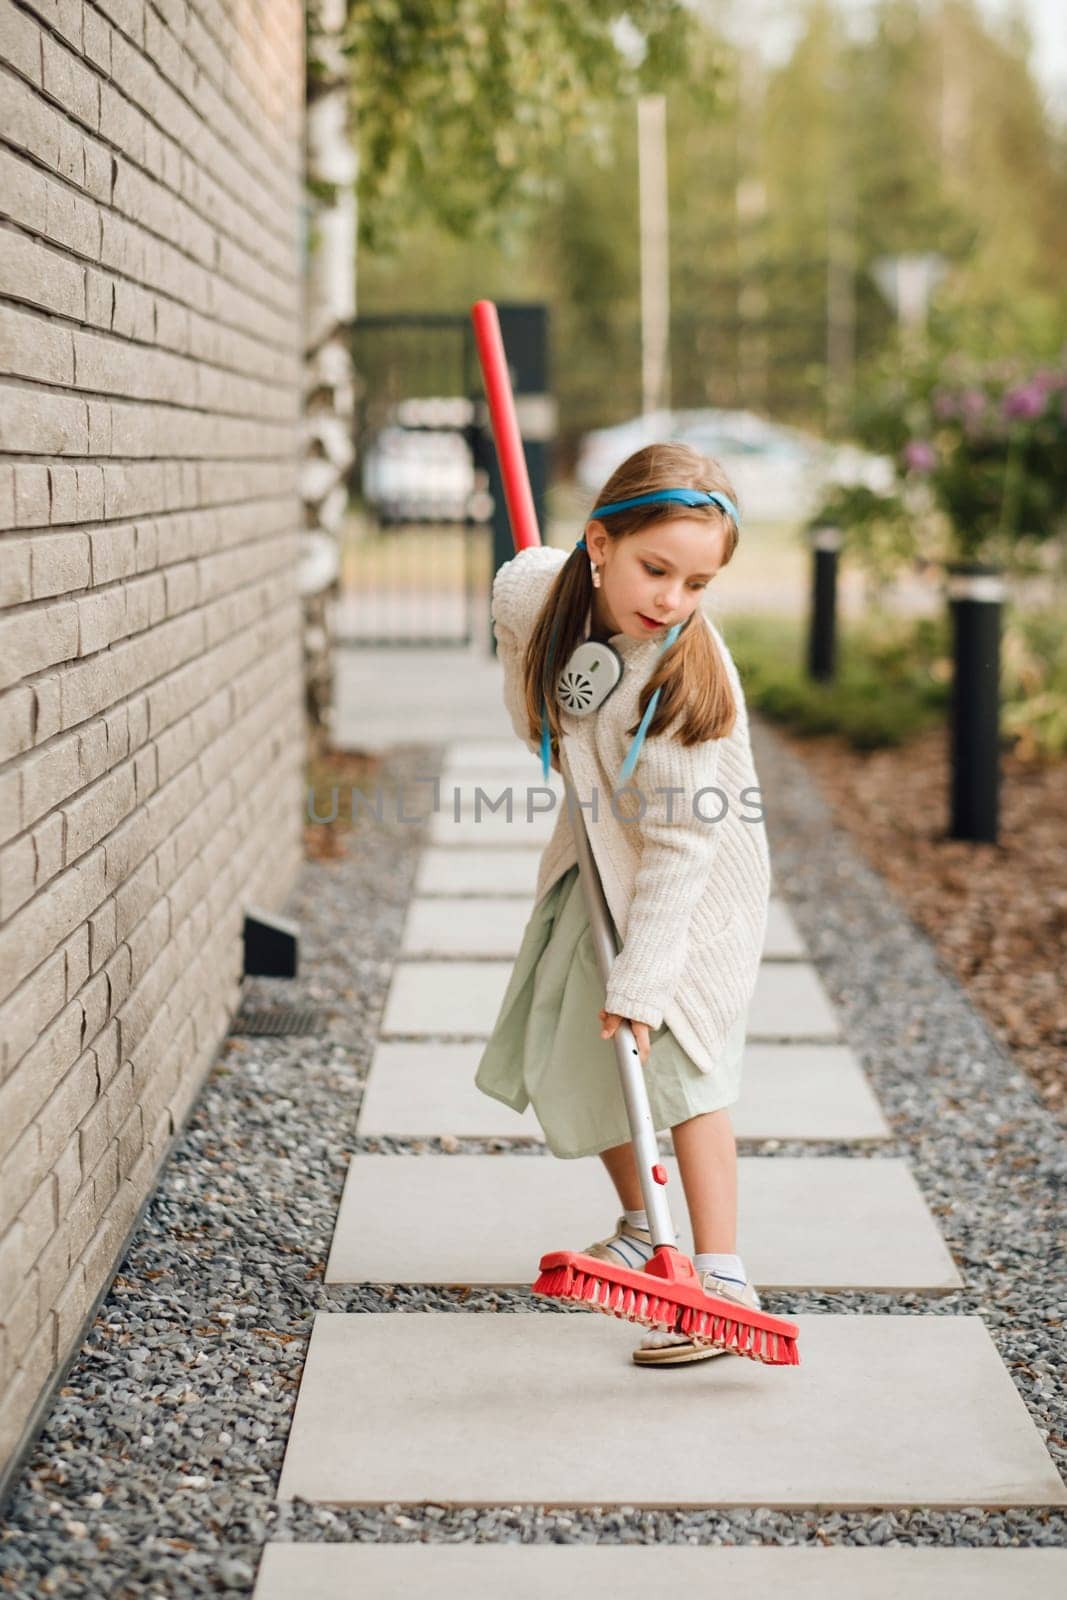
(686, 497)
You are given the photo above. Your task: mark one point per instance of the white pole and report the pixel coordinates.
(655, 269)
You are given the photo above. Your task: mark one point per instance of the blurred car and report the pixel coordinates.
(779, 472)
(419, 468)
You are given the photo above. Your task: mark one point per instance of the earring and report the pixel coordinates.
(596, 574)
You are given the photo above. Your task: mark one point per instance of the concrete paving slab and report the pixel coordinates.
(488, 831)
(783, 941)
(882, 1411)
(491, 926)
(790, 1002)
(463, 998)
(788, 1091)
(806, 1091)
(474, 755)
(416, 1090)
(471, 926)
(827, 1222)
(521, 775)
(444, 871)
(634, 1572)
(388, 696)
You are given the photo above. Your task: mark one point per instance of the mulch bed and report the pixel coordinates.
(995, 913)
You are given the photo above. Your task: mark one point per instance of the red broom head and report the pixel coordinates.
(668, 1294)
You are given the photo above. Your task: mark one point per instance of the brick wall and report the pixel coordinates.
(150, 643)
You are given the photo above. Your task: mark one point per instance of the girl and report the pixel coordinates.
(681, 850)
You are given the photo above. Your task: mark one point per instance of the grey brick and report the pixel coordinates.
(32, 347)
(47, 707)
(92, 816)
(69, 81)
(94, 997)
(35, 638)
(31, 123)
(92, 752)
(63, 17)
(63, 489)
(60, 561)
(16, 721)
(35, 931)
(20, 41)
(18, 865)
(48, 777)
(39, 1072)
(40, 275)
(90, 501)
(39, 423)
(97, 39)
(32, 1373)
(101, 619)
(33, 498)
(16, 585)
(73, 1301)
(112, 550)
(76, 953)
(71, 219)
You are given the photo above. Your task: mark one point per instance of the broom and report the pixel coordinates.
(667, 1292)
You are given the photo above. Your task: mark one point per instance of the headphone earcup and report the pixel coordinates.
(592, 672)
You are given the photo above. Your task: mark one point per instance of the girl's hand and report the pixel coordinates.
(609, 1023)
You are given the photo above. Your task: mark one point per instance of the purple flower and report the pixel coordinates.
(972, 404)
(1025, 402)
(920, 456)
(944, 404)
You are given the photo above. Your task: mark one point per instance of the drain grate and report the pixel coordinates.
(279, 1021)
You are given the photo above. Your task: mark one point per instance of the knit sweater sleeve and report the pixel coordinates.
(679, 842)
(519, 590)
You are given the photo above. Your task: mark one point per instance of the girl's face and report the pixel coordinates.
(655, 578)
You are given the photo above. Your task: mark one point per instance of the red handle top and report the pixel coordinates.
(505, 425)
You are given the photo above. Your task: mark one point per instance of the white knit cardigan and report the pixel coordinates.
(689, 897)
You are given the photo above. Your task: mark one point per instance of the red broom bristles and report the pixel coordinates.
(705, 1319)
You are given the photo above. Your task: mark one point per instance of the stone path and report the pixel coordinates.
(544, 1406)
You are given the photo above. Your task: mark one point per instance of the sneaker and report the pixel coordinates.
(660, 1349)
(626, 1247)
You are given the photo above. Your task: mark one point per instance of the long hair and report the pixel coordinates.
(691, 672)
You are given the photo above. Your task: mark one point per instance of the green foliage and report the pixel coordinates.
(891, 682)
(1034, 683)
(985, 443)
(894, 679)
(463, 106)
(879, 535)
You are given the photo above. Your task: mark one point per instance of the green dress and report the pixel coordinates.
(545, 1049)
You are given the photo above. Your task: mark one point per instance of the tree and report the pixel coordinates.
(464, 107)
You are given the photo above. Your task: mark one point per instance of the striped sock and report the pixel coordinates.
(635, 1253)
(723, 1266)
(728, 1267)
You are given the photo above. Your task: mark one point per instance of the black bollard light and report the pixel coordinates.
(975, 595)
(826, 544)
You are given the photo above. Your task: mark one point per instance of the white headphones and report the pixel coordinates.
(593, 671)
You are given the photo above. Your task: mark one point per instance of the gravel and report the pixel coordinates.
(155, 1473)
